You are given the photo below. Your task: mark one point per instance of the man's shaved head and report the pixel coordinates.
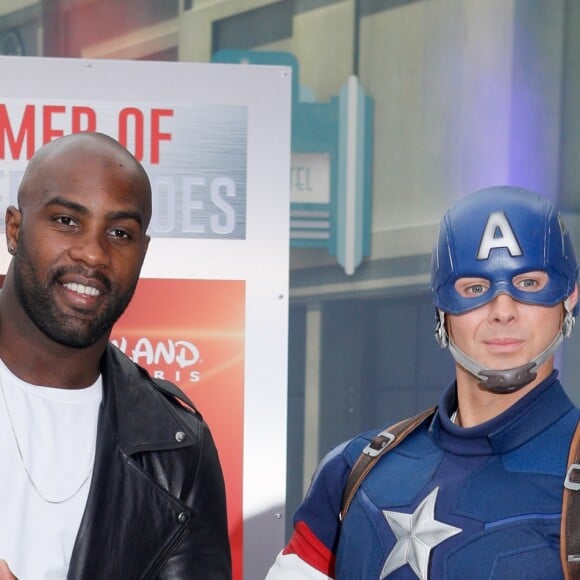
(77, 148)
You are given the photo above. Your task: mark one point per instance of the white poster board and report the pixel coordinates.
(215, 140)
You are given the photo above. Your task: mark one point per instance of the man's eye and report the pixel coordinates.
(475, 289)
(531, 281)
(120, 234)
(65, 220)
(471, 287)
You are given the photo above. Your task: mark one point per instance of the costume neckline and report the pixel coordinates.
(530, 415)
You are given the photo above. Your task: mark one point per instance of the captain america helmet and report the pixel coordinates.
(498, 233)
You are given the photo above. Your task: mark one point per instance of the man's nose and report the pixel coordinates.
(503, 308)
(91, 248)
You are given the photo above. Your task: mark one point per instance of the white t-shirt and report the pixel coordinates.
(56, 430)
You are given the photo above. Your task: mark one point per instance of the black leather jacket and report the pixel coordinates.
(156, 507)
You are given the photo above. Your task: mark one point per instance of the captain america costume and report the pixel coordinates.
(448, 503)
(480, 499)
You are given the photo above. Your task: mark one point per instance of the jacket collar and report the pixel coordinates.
(140, 410)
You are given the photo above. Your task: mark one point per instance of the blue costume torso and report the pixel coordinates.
(453, 503)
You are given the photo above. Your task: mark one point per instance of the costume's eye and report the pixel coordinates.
(471, 287)
(475, 289)
(531, 281)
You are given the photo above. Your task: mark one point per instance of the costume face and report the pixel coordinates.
(503, 277)
(504, 333)
(81, 241)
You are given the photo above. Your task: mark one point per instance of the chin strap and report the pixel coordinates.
(507, 380)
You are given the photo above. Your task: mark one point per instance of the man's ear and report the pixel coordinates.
(12, 222)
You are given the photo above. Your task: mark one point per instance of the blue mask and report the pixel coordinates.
(496, 234)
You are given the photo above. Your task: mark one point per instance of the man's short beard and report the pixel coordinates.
(36, 298)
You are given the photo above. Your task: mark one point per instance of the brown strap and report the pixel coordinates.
(570, 530)
(379, 445)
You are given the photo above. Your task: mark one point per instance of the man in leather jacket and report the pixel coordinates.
(106, 472)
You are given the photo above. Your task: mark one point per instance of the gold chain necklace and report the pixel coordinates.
(26, 471)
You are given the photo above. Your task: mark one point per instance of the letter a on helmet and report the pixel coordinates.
(498, 234)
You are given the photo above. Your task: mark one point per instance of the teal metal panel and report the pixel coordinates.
(319, 132)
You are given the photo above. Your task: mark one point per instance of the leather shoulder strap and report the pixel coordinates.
(570, 528)
(379, 445)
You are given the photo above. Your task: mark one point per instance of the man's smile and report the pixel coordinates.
(82, 289)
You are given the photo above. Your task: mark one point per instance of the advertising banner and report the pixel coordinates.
(210, 310)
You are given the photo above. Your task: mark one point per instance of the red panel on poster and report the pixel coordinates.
(192, 333)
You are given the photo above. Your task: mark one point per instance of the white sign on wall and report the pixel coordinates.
(215, 140)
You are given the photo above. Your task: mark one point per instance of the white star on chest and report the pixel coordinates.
(416, 534)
